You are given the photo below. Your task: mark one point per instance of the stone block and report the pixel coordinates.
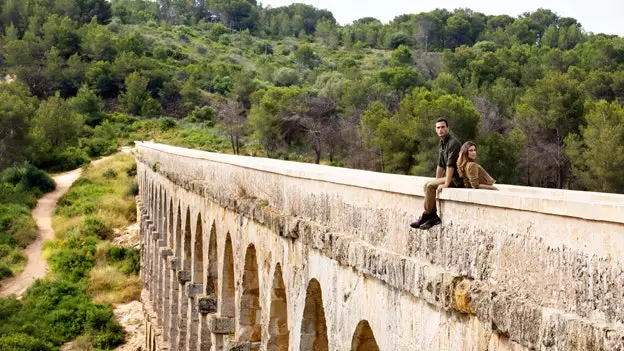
(165, 252)
(206, 304)
(175, 262)
(221, 325)
(193, 290)
(184, 276)
(245, 346)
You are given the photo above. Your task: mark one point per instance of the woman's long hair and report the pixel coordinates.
(463, 159)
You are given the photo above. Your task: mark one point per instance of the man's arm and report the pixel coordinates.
(439, 172)
(449, 176)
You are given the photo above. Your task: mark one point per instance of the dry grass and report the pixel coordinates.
(110, 286)
(109, 195)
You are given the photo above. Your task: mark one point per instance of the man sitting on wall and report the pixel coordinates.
(446, 175)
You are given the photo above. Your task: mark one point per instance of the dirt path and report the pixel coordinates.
(37, 266)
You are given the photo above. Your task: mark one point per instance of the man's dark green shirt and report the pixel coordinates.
(449, 152)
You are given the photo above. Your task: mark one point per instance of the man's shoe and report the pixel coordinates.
(423, 218)
(434, 220)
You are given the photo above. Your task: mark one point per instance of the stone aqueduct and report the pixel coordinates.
(243, 253)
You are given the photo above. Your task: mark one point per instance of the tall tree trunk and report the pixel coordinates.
(317, 150)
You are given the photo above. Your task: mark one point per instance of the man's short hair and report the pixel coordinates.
(442, 120)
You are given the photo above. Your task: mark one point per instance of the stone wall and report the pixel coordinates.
(245, 253)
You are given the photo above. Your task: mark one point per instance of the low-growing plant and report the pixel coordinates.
(109, 173)
(5, 271)
(96, 226)
(134, 189)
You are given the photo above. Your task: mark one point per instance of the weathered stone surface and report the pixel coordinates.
(221, 325)
(206, 304)
(517, 269)
(175, 263)
(183, 276)
(193, 290)
(165, 252)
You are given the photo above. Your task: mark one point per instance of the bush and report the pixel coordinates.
(132, 262)
(166, 123)
(5, 272)
(117, 253)
(71, 265)
(200, 114)
(63, 160)
(29, 177)
(93, 226)
(16, 225)
(11, 194)
(23, 342)
(110, 337)
(109, 173)
(132, 170)
(134, 189)
(285, 77)
(99, 146)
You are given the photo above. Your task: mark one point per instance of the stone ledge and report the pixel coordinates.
(611, 208)
(221, 325)
(184, 276)
(206, 304)
(165, 252)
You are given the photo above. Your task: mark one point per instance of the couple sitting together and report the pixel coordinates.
(456, 169)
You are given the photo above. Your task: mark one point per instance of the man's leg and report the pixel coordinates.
(430, 201)
(430, 194)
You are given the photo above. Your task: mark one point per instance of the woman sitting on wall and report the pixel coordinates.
(473, 174)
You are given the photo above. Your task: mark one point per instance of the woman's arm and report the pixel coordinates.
(488, 187)
(472, 173)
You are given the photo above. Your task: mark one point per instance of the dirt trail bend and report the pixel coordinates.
(37, 266)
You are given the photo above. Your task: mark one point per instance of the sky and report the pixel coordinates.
(598, 16)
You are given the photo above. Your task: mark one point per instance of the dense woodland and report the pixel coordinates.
(540, 95)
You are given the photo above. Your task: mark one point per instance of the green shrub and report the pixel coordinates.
(117, 253)
(99, 146)
(134, 189)
(62, 160)
(109, 173)
(166, 123)
(16, 225)
(132, 170)
(72, 265)
(96, 227)
(23, 342)
(16, 194)
(132, 262)
(110, 337)
(5, 272)
(29, 177)
(200, 114)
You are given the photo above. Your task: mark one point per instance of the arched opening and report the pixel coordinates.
(170, 236)
(212, 279)
(313, 326)
(249, 316)
(198, 253)
(160, 213)
(363, 338)
(178, 233)
(227, 290)
(278, 323)
(186, 245)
